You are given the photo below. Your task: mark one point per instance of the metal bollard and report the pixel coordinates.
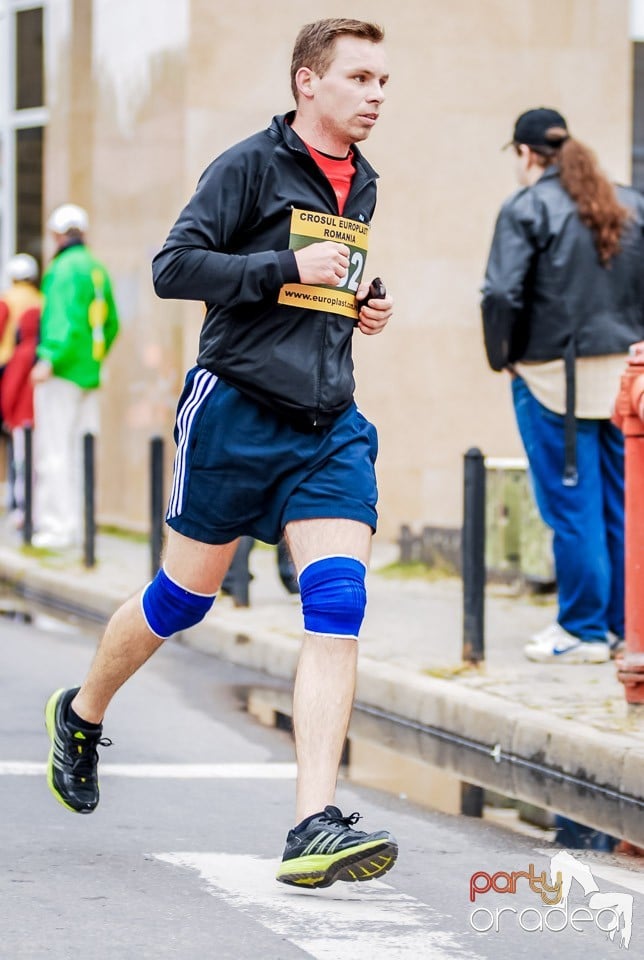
(406, 542)
(237, 580)
(427, 549)
(28, 523)
(156, 504)
(89, 544)
(473, 551)
(472, 800)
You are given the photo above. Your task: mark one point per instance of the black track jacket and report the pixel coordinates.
(229, 248)
(546, 294)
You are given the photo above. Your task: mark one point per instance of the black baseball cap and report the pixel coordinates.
(532, 126)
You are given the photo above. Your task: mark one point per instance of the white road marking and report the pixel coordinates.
(169, 771)
(619, 876)
(328, 923)
(614, 874)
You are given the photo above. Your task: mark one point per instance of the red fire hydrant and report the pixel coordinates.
(629, 417)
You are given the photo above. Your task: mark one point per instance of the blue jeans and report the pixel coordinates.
(587, 520)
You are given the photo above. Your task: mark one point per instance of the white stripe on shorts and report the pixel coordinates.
(203, 383)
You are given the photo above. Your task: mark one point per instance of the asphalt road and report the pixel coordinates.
(197, 796)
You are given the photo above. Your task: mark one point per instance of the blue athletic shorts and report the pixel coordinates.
(239, 469)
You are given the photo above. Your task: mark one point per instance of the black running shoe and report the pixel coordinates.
(325, 848)
(73, 758)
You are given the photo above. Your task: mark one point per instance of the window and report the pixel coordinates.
(638, 115)
(23, 116)
(29, 59)
(29, 162)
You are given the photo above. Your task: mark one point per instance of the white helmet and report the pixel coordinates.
(22, 267)
(68, 217)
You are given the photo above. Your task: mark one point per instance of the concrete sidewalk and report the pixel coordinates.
(572, 719)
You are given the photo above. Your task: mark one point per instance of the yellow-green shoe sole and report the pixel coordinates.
(367, 861)
(50, 723)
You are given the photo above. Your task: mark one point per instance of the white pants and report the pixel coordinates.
(63, 413)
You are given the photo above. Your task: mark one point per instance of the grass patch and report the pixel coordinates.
(260, 545)
(38, 553)
(446, 673)
(133, 536)
(540, 599)
(416, 571)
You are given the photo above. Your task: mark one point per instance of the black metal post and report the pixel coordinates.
(28, 524)
(156, 503)
(10, 454)
(472, 800)
(286, 568)
(427, 551)
(89, 546)
(237, 579)
(473, 550)
(405, 542)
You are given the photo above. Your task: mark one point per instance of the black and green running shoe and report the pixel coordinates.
(325, 848)
(73, 758)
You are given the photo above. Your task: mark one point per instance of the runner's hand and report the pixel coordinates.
(375, 314)
(325, 262)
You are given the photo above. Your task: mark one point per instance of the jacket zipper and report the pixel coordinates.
(354, 192)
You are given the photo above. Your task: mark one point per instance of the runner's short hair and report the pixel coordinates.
(315, 41)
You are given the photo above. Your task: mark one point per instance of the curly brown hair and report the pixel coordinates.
(314, 43)
(595, 196)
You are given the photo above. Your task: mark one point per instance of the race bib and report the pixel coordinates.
(307, 226)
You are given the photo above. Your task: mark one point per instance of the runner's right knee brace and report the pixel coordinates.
(333, 596)
(169, 608)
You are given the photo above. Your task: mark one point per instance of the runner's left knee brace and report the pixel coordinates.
(169, 608)
(333, 596)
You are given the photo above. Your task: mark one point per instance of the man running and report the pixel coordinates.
(269, 439)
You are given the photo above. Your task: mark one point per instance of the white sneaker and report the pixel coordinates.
(556, 645)
(551, 633)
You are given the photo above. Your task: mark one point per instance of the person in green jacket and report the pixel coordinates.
(79, 325)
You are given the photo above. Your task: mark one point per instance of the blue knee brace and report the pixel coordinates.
(333, 596)
(168, 607)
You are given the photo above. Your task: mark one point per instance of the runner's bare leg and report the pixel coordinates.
(326, 673)
(127, 642)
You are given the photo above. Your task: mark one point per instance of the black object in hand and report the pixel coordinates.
(377, 291)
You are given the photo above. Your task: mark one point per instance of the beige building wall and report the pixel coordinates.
(162, 86)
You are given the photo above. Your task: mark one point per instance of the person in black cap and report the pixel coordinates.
(563, 300)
